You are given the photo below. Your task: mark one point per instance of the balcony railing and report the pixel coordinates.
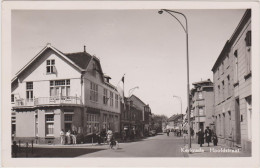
(49, 101)
(24, 102)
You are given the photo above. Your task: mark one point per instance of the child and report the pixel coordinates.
(215, 139)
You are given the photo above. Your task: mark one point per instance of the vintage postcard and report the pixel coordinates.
(130, 83)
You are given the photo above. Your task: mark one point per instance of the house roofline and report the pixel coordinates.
(246, 17)
(48, 46)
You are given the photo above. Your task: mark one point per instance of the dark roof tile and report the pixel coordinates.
(81, 59)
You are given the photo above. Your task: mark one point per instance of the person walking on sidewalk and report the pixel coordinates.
(168, 132)
(68, 137)
(200, 137)
(208, 134)
(109, 135)
(62, 137)
(215, 139)
(74, 137)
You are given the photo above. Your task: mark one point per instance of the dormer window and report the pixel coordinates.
(50, 66)
(248, 39)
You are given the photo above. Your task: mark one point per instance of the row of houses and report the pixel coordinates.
(225, 105)
(57, 91)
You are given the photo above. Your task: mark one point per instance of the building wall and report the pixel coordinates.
(233, 121)
(25, 123)
(36, 73)
(97, 79)
(244, 88)
(206, 103)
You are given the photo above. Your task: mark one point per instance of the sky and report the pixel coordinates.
(150, 49)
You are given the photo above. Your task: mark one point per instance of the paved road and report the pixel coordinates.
(157, 146)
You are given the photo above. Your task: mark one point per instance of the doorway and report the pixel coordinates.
(237, 115)
(201, 126)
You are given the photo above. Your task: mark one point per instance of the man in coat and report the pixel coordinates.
(208, 134)
(200, 137)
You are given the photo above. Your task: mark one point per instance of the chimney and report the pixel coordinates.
(84, 48)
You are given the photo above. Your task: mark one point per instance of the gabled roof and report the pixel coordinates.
(47, 47)
(202, 82)
(81, 59)
(137, 99)
(175, 117)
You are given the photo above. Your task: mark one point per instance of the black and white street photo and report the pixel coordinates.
(131, 83)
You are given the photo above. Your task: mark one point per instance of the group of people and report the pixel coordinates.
(209, 135)
(68, 137)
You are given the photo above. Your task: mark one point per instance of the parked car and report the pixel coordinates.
(152, 133)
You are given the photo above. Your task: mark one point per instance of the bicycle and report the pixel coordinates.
(113, 144)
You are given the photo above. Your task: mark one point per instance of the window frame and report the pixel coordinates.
(50, 67)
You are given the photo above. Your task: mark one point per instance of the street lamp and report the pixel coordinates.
(187, 50)
(132, 90)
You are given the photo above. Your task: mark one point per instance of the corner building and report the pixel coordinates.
(202, 105)
(56, 91)
(233, 88)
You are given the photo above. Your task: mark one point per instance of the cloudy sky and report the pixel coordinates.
(149, 48)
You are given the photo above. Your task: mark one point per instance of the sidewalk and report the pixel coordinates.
(215, 151)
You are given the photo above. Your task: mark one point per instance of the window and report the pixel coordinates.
(248, 38)
(249, 116)
(60, 88)
(219, 96)
(223, 89)
(36, 123)
(236, 67)
(228, 87)
(111, 99)
(200, 95)
(116, 103)
(12, 98)
(49, 120)
(201, 112)
(68, 117)
(92, 123)
(218, 73)
(50, 66)
(222, 67)
(105, 98)
(248, 52)
(93, 92)
(29, 91)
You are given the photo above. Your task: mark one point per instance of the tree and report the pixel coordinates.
(157, 122)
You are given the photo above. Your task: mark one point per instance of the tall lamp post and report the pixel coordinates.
(187, 50)
(132, 90)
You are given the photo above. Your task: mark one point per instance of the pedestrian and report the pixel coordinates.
(68, 137)
(200, 137)
(123, 135)
(192, 133)
(215, 139)
(14, 149)
(168, 132)
(62, 137)
(109, 135)
(185, 135)
(208, 134)
(74, 137)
